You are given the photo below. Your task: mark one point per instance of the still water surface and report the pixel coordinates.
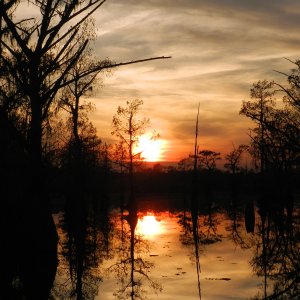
(225, 271)
(238, 257)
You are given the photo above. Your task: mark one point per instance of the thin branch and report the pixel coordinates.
(114, 65)
(12, 27)
(65, 20)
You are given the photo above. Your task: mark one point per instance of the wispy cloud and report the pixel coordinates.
(219, 48)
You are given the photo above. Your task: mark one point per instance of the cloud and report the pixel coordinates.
(219, 48)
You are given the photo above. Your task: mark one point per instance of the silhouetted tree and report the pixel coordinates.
(292, 91)
(275, 139)
(292, 98)
(208, 159)
(128, 127)
(38, 53)
(186, 164)
(233, 158)
(259, 110)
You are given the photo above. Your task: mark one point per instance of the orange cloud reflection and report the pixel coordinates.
(149, 226)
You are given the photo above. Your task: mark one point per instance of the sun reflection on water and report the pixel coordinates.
(149, 226)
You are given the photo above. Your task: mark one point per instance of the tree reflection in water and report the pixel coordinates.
(274, 244)
(277, 255)
(81, 255)
(130, 268)
(199, 230)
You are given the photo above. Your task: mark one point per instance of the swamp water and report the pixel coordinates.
(232, 263)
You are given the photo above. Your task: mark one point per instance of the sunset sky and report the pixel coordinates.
(218, 48)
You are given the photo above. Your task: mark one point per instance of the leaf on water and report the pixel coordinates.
(215, 278)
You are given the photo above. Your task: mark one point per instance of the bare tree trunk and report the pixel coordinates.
(194, 205)
(39, 238)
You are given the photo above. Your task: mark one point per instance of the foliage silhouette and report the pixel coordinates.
(38, 57)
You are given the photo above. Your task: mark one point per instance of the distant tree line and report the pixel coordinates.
(274, 109)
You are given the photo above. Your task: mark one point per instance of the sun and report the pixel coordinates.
(151, 149)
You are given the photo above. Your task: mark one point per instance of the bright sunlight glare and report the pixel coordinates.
(151, 149)
(149, 226)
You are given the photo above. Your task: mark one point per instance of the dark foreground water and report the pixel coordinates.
(225, 253)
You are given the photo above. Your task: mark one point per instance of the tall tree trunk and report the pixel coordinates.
(39, 238)
(195, 206)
